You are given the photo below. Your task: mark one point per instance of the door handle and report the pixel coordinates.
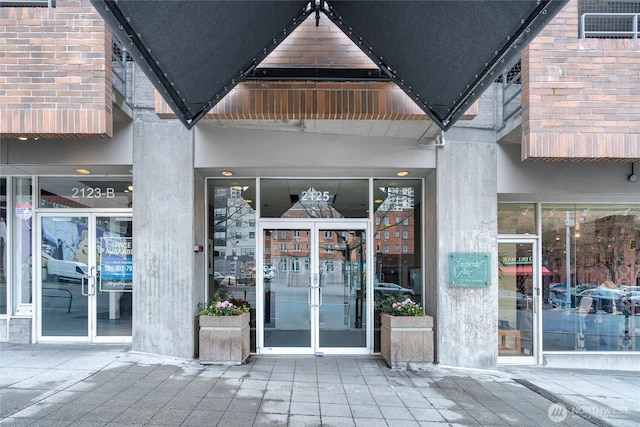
(91, 282)
(316, 298)
(85, 293)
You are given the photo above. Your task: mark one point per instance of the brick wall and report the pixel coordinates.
(581, 97)
(55, 72)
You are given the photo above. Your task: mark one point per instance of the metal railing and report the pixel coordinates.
(121, 65)
(609, 25)
(511, 80)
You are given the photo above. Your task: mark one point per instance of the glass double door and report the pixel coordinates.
(313, 288)
(84, 274)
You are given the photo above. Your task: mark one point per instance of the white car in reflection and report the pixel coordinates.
(386, 289)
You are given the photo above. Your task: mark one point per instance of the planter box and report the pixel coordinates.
(406, 342)
(224, 339)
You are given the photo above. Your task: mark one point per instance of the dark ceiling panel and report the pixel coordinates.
(442, 53)
(195, 52)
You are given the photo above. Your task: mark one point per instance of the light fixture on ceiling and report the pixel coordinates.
(83, 171)
(226, 173)
(633, 178)
(22, 138)
(402, 173)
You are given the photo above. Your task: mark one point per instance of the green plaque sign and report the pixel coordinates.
(469, 269)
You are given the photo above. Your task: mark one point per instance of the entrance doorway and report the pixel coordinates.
(84, 274)
(518, 290)
(313, 288)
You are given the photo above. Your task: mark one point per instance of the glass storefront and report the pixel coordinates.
(59, 236)
(591, 292)
(589, 270)
(288, 252)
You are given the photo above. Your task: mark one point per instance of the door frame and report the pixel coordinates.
(536, 263)
(313, 225)
(91, 286)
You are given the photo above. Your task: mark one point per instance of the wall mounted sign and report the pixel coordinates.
(469, 269)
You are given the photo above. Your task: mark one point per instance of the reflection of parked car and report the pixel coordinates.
(384, 289)
(630, 290)
(218, 277)
(604, 299)
(631, 301)
(59, 269)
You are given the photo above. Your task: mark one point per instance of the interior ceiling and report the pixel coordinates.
(442, 53)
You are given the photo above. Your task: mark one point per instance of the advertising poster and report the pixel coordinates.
(116, 264)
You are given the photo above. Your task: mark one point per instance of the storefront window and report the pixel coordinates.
(516, 218)
(22, 227)
(397, 272)
(231, 238)
(591, 277)
(4, 250)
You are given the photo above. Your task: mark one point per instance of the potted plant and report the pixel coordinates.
(224, 334)
(406, 334)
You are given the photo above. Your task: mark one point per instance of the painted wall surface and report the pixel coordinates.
(556, 181)
(268, 153)
(49, 154)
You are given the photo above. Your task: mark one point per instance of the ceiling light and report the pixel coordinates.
(83, 171)
(402, 173)
(226, 173)
(22, 138)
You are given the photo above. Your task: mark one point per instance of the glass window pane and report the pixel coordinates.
(21, 235)
(231, 239)
(516, 218)
(591, 277)
(314, 198)
(86, 192)
(398, 269)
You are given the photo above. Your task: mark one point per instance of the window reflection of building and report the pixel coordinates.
(394, 233)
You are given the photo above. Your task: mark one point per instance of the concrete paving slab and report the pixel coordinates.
(121, 387)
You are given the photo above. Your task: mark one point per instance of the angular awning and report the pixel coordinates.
(442, 53)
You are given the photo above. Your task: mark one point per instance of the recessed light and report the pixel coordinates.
(226, 173)
(83, 171)
(22, 138)
(402, 173)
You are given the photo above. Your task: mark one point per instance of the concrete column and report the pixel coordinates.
(166, 289)
(462, 217)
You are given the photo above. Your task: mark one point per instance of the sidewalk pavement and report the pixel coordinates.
(109, 385)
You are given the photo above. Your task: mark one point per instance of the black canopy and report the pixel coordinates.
(442, 53)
